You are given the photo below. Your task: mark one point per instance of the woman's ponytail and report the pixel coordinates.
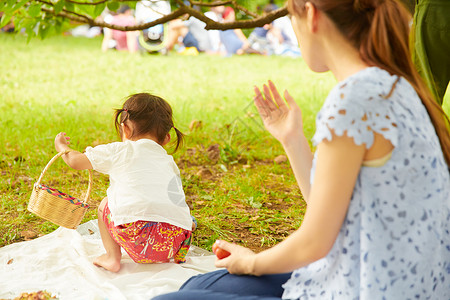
(380, 30)
(386, 42)
(386, 46)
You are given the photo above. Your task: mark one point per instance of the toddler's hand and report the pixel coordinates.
(62, 142)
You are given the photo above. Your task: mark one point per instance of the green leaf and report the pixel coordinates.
(59, 25)
(5, 19)
(6, 6)
(11, 3)
(99, 9)
(89, 9)
(59, 6)
(34, 10)
(20, 4)
(43, 30)
(70, 6)
(113, 6)
(29, 29)
(131, 4)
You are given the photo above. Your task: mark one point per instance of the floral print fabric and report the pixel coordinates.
(395, 240)
(150, 242)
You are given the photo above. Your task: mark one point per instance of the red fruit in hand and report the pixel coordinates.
(219, 252)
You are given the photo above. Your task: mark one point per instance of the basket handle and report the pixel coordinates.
(53, 160)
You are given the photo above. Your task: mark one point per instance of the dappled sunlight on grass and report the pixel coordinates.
(67, 84)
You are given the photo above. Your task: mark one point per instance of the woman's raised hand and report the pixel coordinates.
(283, 119)
(240, 261)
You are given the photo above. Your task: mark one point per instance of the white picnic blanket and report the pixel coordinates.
(61, 264)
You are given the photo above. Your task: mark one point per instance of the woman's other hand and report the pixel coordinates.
(282, 118)
(240, 261)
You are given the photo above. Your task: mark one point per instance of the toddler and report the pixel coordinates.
(145, 211)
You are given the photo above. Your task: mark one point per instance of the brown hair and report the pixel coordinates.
(150, 115)
(380, 30)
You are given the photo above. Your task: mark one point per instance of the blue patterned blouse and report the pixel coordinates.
(395, 240)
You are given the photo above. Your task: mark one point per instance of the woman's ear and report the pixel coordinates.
(166, 140)
(312, 15)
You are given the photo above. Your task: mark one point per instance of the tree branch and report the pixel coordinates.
(80, 16)
(211, 4)
(86, 20)
(259, 21)
(253, 23)
(220, 3)
(69, 15)
(88, 3)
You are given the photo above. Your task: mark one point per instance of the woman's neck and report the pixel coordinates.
(343, 59)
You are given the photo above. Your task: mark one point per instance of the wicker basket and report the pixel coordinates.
(55, 206)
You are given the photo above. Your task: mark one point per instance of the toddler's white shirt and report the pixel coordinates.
(145, 183)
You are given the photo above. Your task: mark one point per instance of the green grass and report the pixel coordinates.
(68, 84)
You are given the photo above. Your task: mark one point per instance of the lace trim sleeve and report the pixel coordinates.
(358, 109)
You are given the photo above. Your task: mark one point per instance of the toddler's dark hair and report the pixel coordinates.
(150, 115)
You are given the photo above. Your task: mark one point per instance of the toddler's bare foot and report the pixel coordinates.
(107, 262)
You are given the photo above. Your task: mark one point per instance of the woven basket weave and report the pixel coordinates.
(55, 206)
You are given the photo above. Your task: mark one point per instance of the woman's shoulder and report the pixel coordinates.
(359, 105)
(368, 84)
(370, 93)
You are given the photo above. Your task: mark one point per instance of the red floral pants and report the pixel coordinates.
(150, 242)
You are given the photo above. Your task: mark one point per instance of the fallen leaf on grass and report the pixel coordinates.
(204, 173)
(223, 168)
(28, 235)
(213, 152)
(191, 151)
(19, 159)
(25, 178)
(280, 159)
(195, 124)
(242, 161)
(5, 164)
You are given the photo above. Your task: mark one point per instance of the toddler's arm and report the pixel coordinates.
(73, 159)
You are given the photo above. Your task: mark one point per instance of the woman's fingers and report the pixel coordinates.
(290, 101)
(270, 103)
(228, 247)
(278, 100)
(223, 262)
(260, 103)
(269, 99)
(225, 245)
(239, 261)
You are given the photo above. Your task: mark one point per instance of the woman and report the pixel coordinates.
(378, 187)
